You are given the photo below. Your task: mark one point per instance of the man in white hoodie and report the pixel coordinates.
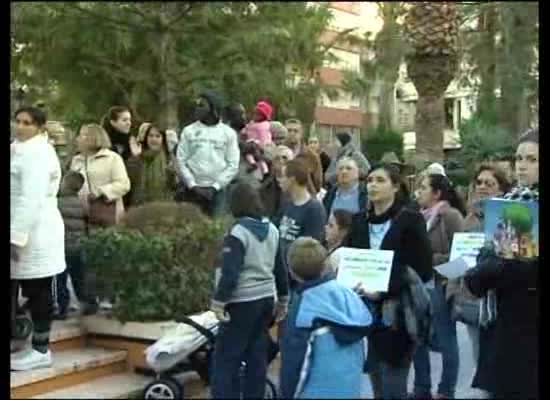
(207, 155)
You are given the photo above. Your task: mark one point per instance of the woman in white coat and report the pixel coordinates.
(36, 230)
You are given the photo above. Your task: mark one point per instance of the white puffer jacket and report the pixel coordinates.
(35, 221)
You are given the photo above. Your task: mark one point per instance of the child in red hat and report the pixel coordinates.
(259, 129)
(259, 132)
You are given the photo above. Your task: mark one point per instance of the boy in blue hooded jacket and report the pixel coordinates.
(244, 298)
(323, 347)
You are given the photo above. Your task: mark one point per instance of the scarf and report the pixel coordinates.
(120, 142)
(430, 214)
(154, 181)
(390, 213)
(523, 193)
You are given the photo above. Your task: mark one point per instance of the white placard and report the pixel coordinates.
(371, 268)
(464, 252)
(467, 246)
(453, 269)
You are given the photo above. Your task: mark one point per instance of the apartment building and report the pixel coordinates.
(345, 113)
(353, 115)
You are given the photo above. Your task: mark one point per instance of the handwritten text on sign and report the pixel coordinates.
(371, 268)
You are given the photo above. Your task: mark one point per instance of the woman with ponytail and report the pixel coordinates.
(117, 123)
(444, 213)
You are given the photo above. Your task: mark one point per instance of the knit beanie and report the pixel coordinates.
(264, 108)
(344, 138)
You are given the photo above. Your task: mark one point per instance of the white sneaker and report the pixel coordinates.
(30, 359)
(106, 305)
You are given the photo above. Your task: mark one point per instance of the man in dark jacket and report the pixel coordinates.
(349, 193)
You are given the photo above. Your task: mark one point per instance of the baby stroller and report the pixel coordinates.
(190, 347)
(21, 324)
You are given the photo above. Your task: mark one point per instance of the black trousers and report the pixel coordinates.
(244, 338)
(40, 303)
(76, 270)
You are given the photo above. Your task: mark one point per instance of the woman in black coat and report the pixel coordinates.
(389, 225)
(514, 372)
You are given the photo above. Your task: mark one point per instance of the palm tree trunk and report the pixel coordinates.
(431, 76)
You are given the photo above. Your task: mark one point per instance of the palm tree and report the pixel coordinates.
(432, 29)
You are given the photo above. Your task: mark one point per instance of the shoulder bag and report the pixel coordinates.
(100, 211)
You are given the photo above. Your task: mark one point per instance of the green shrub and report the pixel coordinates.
(380, 141)
(483, 141)
(159, 263)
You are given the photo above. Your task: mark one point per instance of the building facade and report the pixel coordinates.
(354, 115)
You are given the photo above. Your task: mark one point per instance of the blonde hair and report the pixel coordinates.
(307, 258)
(101, 138)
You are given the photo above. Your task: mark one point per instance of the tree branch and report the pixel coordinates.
(116, 24)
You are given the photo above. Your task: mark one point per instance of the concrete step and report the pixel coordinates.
(70, 367)
(64, 335)
(68, 334)
(119, 386)
(125, 386)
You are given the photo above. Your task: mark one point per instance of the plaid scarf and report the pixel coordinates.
(523, 193)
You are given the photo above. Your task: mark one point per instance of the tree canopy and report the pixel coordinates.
(83, 57)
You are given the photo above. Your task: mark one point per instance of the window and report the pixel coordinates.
(449, 113)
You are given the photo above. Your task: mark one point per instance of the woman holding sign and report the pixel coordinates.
(515, 282)
(489, 181)
(389, 225)
(444, 213)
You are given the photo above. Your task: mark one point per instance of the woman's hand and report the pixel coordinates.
(135, 147)
(361, 291)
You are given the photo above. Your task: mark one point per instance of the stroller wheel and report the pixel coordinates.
(270, 390)
(165, 388)
(23, 327)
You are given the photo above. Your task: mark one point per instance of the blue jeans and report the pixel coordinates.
(447, 343)
(244, 338)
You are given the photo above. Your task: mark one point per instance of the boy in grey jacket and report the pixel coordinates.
(244, 299)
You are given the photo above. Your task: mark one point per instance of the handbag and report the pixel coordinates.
(100, 211)
(465, 309)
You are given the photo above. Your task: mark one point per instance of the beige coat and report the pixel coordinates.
(108, 177)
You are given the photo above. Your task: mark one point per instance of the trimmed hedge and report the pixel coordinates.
(159, 263)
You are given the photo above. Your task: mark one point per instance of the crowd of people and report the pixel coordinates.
(294, 209)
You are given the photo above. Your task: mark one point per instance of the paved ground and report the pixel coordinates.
(466, 371)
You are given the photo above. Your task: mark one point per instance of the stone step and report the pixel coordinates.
(64, 335)
(68, 334)
(125, 386)
(119, 386)
(70, 367)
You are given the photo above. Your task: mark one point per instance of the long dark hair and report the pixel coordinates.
(162, 133)
(447, 191)
(403, 195)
